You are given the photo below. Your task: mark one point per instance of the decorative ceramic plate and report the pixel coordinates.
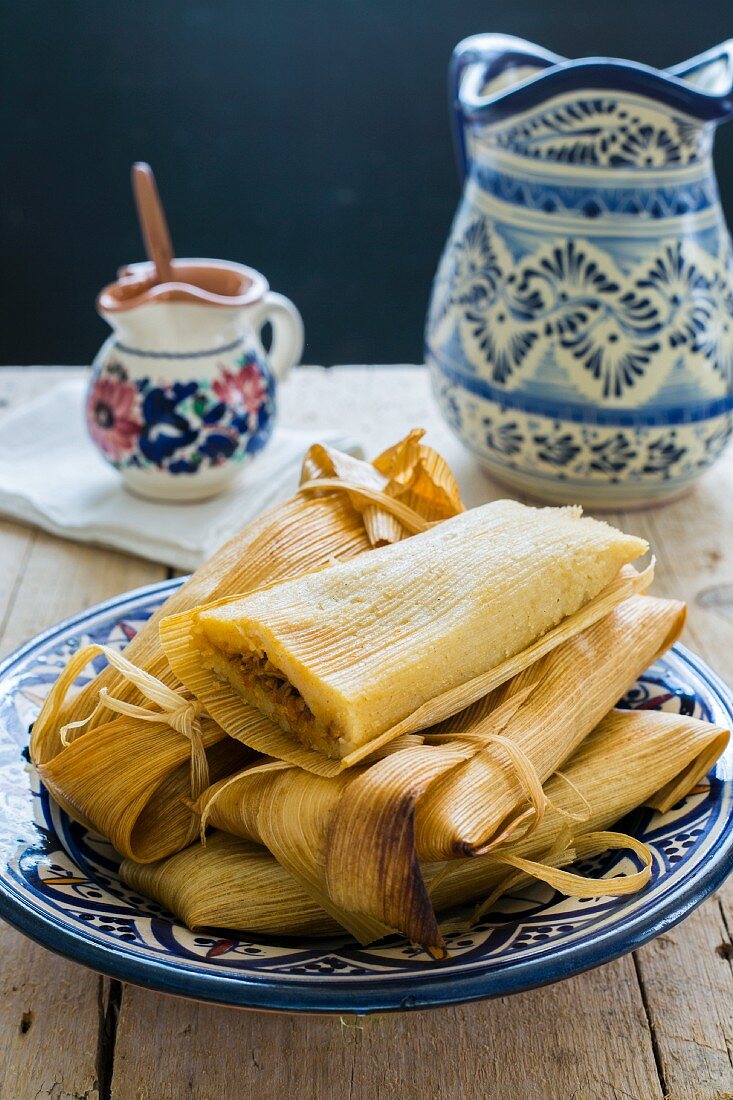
(59, 882)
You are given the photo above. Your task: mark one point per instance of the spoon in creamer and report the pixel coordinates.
(153, 224)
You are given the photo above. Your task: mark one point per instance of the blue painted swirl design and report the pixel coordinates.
(571, 297)
(605, 131)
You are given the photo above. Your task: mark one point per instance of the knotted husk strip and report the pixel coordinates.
(565, 695)
(131, 787)
(627, 760)
(547, 868)
(230, 883)
(248, 725)
(415, 476)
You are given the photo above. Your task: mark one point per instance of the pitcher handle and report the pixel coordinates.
(287, 332)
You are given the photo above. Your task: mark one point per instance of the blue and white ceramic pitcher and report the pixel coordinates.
(580, 333)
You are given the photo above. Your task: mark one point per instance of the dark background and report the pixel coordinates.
(308, 139)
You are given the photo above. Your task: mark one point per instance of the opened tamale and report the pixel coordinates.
(374, 647)
(632, 758)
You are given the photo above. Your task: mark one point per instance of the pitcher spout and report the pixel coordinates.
(710, 74)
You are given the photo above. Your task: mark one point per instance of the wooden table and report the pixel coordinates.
(657, 1023)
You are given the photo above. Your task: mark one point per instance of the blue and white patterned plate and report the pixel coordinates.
(59, 882)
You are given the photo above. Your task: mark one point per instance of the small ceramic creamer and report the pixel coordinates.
(183, 392)
(580, 332)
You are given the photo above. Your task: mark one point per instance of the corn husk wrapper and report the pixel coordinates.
(229, 879)
(161, 726)
(411, 474)
(632, 758)
(292, 812)
(561, 698)
(254, 729)
(132, 787)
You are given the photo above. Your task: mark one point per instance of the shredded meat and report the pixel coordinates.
(260, 670)
(263, 685)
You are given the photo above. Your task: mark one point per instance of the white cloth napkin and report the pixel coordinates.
(52, 477)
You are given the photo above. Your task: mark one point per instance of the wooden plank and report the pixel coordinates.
(52, 1012)
(685, 975)
(687, 984)
(584, 1038)
(61, 578)
(62, 1050)
(49, 1023)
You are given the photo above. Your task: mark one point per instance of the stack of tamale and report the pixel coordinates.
(384, 705)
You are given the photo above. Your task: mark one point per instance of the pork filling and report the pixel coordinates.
(261, 683)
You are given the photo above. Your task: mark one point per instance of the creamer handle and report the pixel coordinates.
(287, 332)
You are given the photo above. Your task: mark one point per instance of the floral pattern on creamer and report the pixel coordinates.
(113, 416)
(181, 427)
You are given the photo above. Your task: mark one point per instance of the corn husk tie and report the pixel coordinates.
(181, 714)
(558, 701)
(411, 520)
(573, 885)
(413, 486)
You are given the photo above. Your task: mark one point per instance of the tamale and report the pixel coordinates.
(125, 776)
(560, 699)
(518, 736)
(632, 758)
(341, 658)
(248, 881)
(291, 812)
(128, 781)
